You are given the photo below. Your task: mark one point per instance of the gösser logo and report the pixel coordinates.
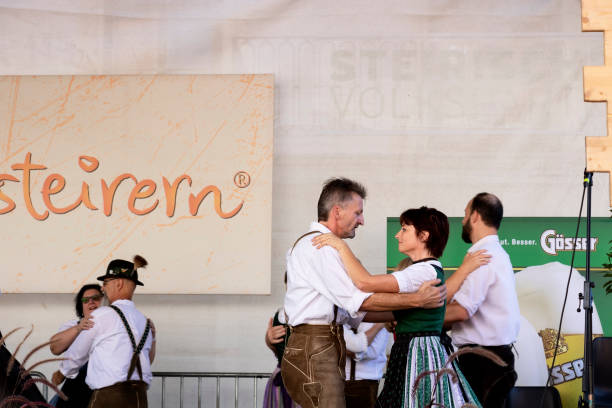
(551, 242)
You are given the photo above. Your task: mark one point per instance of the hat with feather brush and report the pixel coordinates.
(119, 268)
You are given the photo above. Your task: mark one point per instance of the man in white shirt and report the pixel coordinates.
(366, 359)
(118, 344)
(485, 311)
(321, 297)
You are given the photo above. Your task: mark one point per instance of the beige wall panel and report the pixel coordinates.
(213, 132)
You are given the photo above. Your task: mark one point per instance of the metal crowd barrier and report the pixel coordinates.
(45, 387)
(200, 375)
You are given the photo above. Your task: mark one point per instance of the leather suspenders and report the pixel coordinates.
(305, 235)
(292, 248)
(136, 349)
(353, 363)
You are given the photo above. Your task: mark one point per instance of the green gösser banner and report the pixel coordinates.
(528, 240)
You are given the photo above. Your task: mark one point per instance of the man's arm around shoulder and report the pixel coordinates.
(429, 296)
(455, 313)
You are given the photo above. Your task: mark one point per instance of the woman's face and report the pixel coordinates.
(92, 299)
(407, 239)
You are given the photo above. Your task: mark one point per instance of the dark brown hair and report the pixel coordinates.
(432, 221)
(490, 209)
(78, 302)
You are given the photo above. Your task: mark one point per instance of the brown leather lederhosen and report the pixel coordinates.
(129, 393)
(360, 393)
(313, 363)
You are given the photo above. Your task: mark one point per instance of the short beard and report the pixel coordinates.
(349, 235)
(465, 233)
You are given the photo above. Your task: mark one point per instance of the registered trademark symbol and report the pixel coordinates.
(242, 179)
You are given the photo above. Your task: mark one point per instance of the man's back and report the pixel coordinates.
(110, 348)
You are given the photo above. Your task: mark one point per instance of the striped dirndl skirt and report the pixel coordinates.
(410, 380)
(430, 379)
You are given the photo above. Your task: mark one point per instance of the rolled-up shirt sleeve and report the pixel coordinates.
(67, 325)
(355, 342)
(474, 289)
(352, 321)
(78, 353)
(410, 279)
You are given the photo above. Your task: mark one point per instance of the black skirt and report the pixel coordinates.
(77, 391)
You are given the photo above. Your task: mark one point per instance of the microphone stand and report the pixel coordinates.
(586, 399)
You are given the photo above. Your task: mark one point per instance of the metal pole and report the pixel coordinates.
(254, 392)
(236, 392)
(199, 392)
(218, 392)
(181, 392)
(587, 378)
(163, 404)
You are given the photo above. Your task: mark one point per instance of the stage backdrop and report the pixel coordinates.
(540, 249)
(175, 168)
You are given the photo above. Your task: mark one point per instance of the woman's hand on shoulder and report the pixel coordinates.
(328, 239)
(474, 260)
(85, 323)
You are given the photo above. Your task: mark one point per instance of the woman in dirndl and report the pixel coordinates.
(417, 350)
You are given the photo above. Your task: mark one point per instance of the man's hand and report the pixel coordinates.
(432, 296)
(390, 326)
(275, 334)
(57, 378)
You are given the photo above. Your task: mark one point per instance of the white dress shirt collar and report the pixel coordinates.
(317, 226)
(126, 302)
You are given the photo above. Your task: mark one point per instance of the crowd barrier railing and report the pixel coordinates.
(45, 387)
(164, 375)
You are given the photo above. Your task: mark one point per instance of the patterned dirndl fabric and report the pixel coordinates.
(427, 354)
(412, 354)
(275, 395)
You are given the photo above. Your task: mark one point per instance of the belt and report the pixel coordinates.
(406, 337)
(120, 384)
(318, 329)
(492, 348)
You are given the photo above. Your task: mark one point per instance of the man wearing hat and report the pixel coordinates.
(118, 344)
